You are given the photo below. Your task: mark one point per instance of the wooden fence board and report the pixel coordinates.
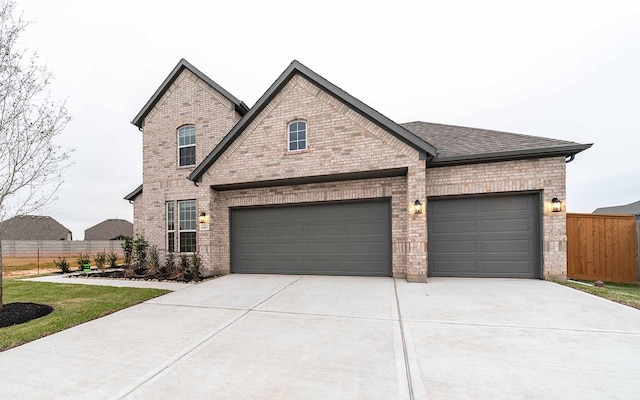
(602, 247)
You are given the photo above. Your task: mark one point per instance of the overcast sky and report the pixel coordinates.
(561, 69)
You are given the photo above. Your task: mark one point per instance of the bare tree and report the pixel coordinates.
(31, 163)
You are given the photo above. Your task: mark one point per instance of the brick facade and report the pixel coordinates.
(546, 175)
(340, 140)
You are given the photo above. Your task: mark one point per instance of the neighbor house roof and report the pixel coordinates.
(631, 208)
(110, 229)
(183, 64)
(34, 227)
(131, 196)
(424, 147)
(463, 145)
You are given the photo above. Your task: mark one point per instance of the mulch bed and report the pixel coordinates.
(19, 313)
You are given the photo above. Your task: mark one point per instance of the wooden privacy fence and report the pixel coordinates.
(602, 247)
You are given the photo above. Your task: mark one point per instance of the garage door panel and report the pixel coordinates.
(484, 236)
(344, 238)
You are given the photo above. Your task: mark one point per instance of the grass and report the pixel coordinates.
(623, 293)
(73, 304)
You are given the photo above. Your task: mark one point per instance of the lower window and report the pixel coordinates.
(187, 226)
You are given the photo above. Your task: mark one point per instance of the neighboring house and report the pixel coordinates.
(310, 180)
(110, 229)
(631, 208)
(34, 227)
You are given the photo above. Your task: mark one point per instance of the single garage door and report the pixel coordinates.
(488, 236)
(341, 238)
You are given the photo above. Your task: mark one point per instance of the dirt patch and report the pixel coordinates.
(19, 313)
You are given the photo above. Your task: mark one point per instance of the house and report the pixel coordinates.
(34, 227)
(631, 208)
(310, 180)
(110, 229)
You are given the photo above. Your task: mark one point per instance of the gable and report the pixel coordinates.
(424, 149)
(340, 141)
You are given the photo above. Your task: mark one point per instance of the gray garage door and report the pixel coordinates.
(343, 238)
(489, 236)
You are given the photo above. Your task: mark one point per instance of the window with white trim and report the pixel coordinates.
(171, 227)
(187, 226)
(187, 145)
(297, 135)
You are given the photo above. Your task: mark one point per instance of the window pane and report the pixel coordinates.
(302, 145)
(302, 126)
(187, 156)
(187, 136)
(170, 221)
(171, 247)
(187, 242)
(293, 146)
(302, 135)
(187, 215)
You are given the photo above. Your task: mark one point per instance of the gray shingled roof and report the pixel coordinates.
(461, 145)
(34, 227)
(110, 229)
(131, 196)
(631, 208)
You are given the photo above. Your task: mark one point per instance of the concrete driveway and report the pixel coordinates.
(311, 337)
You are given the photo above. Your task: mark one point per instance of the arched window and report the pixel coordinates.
(187, 145)
(297, 135)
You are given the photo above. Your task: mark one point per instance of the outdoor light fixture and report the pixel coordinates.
(556, 204)
(417, 207)
(203, 218)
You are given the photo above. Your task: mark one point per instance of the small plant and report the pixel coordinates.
(154, 259)
(101, 260)
(196, 263)
(82, 260)
(140, 246)
(127, 247)
(184, 263)
(62, 264)
(170, 263)
(113, 260)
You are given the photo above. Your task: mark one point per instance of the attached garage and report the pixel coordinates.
(494, 236)
(339, 238)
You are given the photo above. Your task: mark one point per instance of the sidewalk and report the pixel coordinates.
(68, 278)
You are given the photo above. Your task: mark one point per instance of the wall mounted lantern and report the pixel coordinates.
(556, 204)
(417, 207)
(203, 218)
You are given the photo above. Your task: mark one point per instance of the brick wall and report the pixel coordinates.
(187, 101)
(546, 175)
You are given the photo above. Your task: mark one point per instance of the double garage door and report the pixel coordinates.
(488, 236)
(484, 236)
(341, 238)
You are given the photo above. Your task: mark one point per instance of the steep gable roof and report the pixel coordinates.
(34, 227)
(463, 145)
(631, 208)
(110, 229)
(425, 148)
(138, 120)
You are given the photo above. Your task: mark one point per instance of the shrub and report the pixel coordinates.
(113, 259)
(170, 262)
(154, 259)
(62, 264)
(196, 262)
(184, 263)
(127, 247)
(100, 259)
(140, 246)
(82, 260)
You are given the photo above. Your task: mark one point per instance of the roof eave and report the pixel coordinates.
(131, 196)
(569, 150)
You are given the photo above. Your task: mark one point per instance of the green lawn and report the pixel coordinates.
(73, 304)
(624, 293)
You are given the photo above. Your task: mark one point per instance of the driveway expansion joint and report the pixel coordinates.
(482, 325)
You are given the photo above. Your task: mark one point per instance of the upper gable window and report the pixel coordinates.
(187, 145)
(297, 135)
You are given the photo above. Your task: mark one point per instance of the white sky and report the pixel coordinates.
(561, 69)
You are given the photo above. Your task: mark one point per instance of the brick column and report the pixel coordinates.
(416, 267)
